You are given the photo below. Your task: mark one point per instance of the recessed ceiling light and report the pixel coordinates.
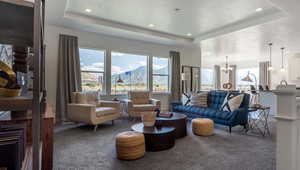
(151, 25)
(258, 9)
(88, 10)
(189, 34)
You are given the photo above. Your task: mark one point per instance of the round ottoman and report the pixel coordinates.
(203, 127)
(130, 145)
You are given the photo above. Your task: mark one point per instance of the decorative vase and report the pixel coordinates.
(148, 119)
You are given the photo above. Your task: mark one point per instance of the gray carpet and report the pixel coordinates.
(78, 147)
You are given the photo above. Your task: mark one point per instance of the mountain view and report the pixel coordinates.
(130, 69)
(139, 75)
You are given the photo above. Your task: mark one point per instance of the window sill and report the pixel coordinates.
(161, 93)
(125, 95)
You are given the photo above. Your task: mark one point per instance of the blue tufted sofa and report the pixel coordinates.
(214, 112)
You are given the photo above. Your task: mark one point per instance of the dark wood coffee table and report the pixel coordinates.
(178, 121)
(156, 139)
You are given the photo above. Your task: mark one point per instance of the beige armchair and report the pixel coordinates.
(86, 108)
(140, 101)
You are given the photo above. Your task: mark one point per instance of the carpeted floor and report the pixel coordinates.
(78, 147)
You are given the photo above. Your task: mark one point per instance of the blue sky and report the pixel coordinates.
(121, 62)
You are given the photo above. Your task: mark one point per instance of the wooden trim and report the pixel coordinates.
(36, 104)
(19, 2)
(286, 118)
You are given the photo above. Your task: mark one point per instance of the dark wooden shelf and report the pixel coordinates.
(19, 103)
(16, 23)
(22, 25)
(47, 132)
(19, 2)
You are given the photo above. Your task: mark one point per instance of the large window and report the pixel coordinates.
(92, 69)
(160, 68)
(129, 72)
(242, 73)
(207, 79)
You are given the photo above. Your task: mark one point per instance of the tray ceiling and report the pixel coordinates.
(174, 20)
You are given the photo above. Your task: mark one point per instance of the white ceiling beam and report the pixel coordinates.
(266, 16)
(122, 26)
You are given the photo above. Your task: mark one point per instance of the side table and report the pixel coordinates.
(259, 120)
(123, 106)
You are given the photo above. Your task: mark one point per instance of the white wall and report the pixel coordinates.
(276, 74)
(189, 55)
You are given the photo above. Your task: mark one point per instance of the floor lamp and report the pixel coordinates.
(253, 92)
(184, 88)
(118, 81)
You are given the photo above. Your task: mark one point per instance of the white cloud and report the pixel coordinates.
(143, 63)
(117, 54)
(131, 67)
(157, 67)
(98, 65)
(116, 70)
(94, 67)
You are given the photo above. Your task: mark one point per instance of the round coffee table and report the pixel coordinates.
(178, 121)
(156, 139)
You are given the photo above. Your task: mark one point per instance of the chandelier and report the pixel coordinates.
(226, 69)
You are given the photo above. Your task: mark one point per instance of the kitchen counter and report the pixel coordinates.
(268, 98)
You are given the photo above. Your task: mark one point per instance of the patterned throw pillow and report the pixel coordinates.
(232, 102)
(199, 99)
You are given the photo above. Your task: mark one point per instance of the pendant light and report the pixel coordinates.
(282, 65)
(270, 66)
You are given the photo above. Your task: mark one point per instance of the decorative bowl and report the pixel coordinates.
(4, 92)
(148, 119)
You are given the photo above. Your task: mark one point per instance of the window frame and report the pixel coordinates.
(163, 75)
(107, 86)
(102, 91)
(213, 76)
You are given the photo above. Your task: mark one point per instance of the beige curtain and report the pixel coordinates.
(217, 72)
(68, 78)
(264, 74)
(175, 76)
(232, 76)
